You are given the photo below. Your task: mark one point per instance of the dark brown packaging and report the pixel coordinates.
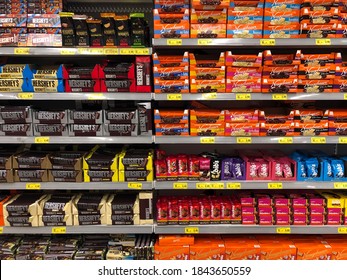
(123, 31)
(6, 176)
(15, 114)
(51, 129)
(75, 176)
(50, 117)
(109, 29)
(31, 160)
(67, 30)
(31, 175)
(66, 160)
(82, 32)
(139, 30)
(81, 220)
(143, 74)
(146, 207)
(85, 130)
(121, 116)
(216, 168)
(135, 175)
(25, 221)
(56, 220)
(121, 130)
(16, 129)
(90, 202)
(145, 118)
(95, 32)
(58, 205)
(85, 117)
(123, 219)
(59, 256)
(6, 160)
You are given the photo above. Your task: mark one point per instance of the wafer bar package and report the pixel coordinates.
(66, 160)
(143, 74)
(50, 117)
(85, 117)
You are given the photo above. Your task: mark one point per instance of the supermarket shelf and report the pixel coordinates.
(78, 186)
(83, 51)
(248, 96)
(249, 140)
(246, 185)
(255, 43)
(76, 96)
(112, 1)
(76, 140)
(99, 229)
(247, 229)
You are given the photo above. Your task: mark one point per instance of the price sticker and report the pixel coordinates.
(41, 140)
(208, 96)
(207, 140)
(97, 51)
(340, 186)
(127, 51)
(323, 42)
(174, 97)
(58, 230)
(285, 140)
(267, 42)
(204, 42)
(234, 186)
(174, 42)
(203, 186)
(21, 51)
(283, 230)
(191, 230)
(180, 186)
(342, 140)
(244, 140)
(280, 96)
(67, 52)
(217, 186)
(318, 140)
(136, 186)
(26, 95)
(111, 51)
(82, 51)
(274, 186)
(342, 230)
(345, 96)
(141, 51)
(1, 230)
(243, 96)
(96, 96)
(33, 186)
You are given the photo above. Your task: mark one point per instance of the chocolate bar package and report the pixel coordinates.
(123, 31)
(21, 221)
(43, 40)
(17, 20)
(15, 114)
(145, 118)
(121, 204)
(67, 30)
(122, 219)
(81, 72)
(85, 130)
(66, 160)
(57, 204)
(31, 160)
(31, 175)
(146, 208)
(6, 159)
(125, 85)
(50, 117)
(89, 202)
(45, 85)
(43, 20)
(136, 159)
(121, 129)
(109, 29)
(16, 129)
(139, 30)
(101, 160)
(113, 70)
(16, 71)
(95, 32)
(82, 86)
(143, 74)
(6, 176)
(75, 176)
(135, 175)
(14, 85)
(121, 116)
(100, 176)
(81, 29)
(85, 117)
(24, 204)
(82, 220)
(55, 220)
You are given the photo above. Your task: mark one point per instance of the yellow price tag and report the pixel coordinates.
(203, 186)
(318, 140)
(274, 186)
(243, 96)
(137, 186)
(111, 51)
(33, 186)
(323, 42)
(234, 186)
(82, 50)
(204, 42)
(96, 96)
(21, 51)
(342, 230)
(285, 140)
(28, 95)
(207, 140)
(281, 96)
(174, 97)
(127, 51)
(340, 185)
(217, 186)
(68, 52)
(97, 51)
(58, 230)
(283, 230)
(342, 140)
(345, 96)
(191, 230)
(41, 140)
(244, 140)
(1, 230)
(174, 42)
(143, 51)
(207, 96)
(180, 186)
(267, 42)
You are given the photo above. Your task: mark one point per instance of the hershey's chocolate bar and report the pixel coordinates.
(89, 219)
(121, 129)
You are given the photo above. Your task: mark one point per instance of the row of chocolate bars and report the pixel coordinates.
(263, 72)
(106, 77)
(250, 122)
(77, 247)
(42, 23)
(250, 19)
(76, 209)
(96, 164)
